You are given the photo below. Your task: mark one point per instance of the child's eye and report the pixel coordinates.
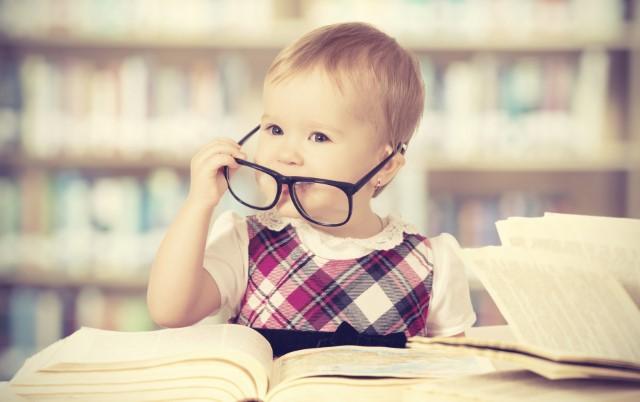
(319, 137)
(275, 130)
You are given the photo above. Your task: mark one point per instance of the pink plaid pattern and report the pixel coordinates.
(289, 287)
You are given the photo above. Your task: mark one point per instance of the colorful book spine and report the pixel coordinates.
(10, 103)
(510, 107)
(130, 107)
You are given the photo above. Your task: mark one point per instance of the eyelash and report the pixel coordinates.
(271, 127)
(324, 136)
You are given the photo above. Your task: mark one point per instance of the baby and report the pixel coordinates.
(340, 106)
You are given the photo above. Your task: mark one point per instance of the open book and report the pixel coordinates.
(613, 244)
(224, 362)
(562, 297)
(520, 385)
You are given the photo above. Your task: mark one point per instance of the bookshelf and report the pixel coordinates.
(98, 122)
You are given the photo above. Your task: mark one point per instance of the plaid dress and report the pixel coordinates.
(289, 287)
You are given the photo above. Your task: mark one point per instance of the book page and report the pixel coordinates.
(551, 302)
(96, 346)
(209, 393)
(521, 357)
(614, 241)
(617, 222)
(611, 241)
(149, 378)
(323, 389)
(122, 391)
(359, 361)
(538, 233)
(90, 349)
(521, 386)
(8, 395)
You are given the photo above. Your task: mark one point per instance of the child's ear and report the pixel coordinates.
(391, 168)
(394, 165)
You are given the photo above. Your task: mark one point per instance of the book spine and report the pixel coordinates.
(511, 107)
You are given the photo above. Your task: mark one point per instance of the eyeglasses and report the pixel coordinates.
(321, 201)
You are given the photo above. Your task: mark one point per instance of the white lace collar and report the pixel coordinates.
(330, 246)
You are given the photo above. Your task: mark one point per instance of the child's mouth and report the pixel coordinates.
(284, 196)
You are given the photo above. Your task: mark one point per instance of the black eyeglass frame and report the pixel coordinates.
(349, 189)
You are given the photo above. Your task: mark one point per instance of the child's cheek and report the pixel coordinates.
(263, 157)
(267, 186)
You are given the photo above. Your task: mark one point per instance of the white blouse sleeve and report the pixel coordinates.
(450, 309)
(226, 258)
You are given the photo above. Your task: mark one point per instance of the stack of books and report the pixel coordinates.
(569, 287)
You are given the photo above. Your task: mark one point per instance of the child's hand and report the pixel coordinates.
(207, 178)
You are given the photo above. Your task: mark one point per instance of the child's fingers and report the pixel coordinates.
(205, 161)
(214, 162)
(216, 148)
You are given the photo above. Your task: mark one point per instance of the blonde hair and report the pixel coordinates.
(372, 63)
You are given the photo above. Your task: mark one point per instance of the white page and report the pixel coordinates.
(170, 394)
(221, 384)
(614, 242)
(90, 345)
(616, 221)
(367, 361)
(522, 386)
(149, 378)
(90, 348)
(340, 389)
(551, 302)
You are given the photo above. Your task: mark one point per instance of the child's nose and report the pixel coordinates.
(289, 154)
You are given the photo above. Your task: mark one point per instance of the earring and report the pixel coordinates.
(378, 184)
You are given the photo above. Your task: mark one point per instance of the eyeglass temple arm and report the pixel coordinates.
(248, 135)
(402, 148)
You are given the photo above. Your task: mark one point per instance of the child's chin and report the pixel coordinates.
(287, 210)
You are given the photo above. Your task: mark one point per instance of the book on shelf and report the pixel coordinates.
(517, 108)
(223, 362)
(131, 106)
(562, 297)
(539, 21)
(9, 103)
(75, 225)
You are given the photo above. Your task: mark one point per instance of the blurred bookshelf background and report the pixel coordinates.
(532, 106)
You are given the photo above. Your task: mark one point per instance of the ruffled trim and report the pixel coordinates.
(272, 220)
(389, 237)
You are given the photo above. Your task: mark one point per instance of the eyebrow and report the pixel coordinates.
(312, 123)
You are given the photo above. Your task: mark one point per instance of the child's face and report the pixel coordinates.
(311, 128)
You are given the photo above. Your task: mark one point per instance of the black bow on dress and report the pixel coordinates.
(285, 340)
